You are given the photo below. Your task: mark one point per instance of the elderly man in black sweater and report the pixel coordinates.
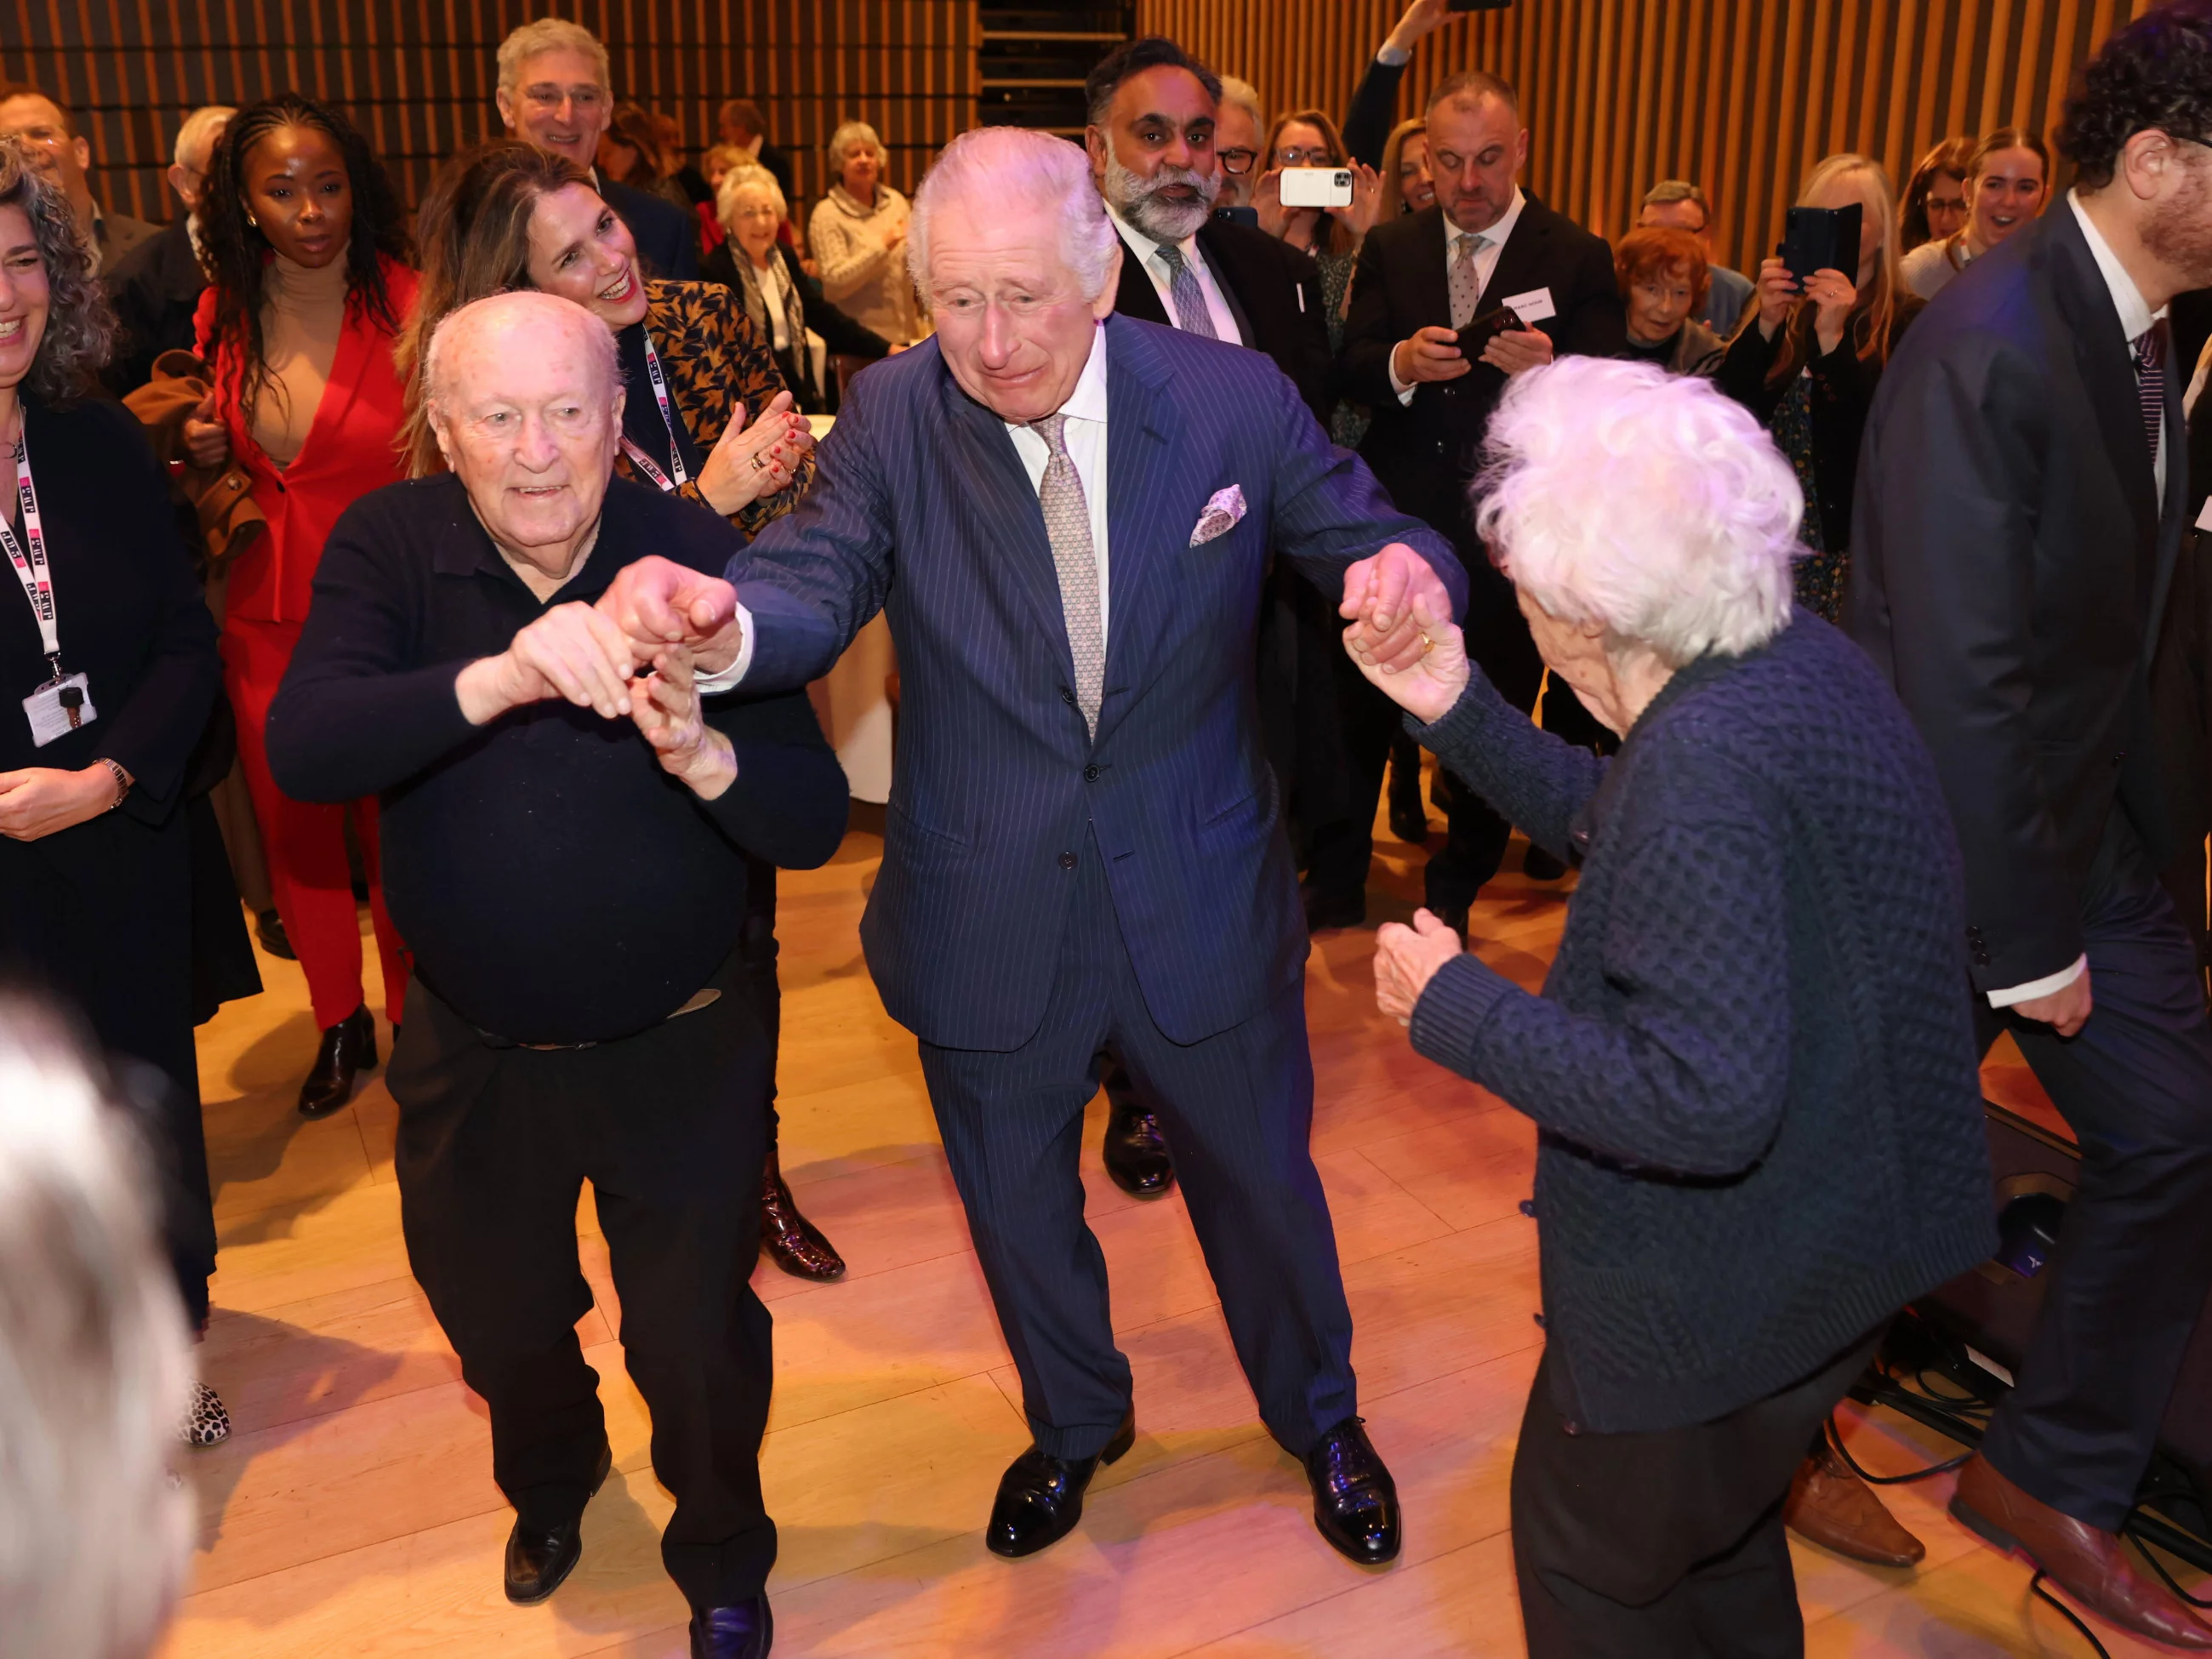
(1751, 1065)
(564, 851)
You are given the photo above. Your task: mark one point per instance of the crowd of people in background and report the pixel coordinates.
(294, 341)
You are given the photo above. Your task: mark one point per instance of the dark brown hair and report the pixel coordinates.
(1953, 156)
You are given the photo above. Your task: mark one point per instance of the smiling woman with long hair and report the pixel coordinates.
(309, 286)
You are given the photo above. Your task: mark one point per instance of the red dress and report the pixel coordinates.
(348, 451)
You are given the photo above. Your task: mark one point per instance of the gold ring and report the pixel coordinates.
(759, 465)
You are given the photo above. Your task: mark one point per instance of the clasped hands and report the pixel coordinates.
(602, 657)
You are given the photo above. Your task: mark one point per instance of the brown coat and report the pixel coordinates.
(220, 497)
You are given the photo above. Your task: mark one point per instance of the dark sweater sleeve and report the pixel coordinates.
(790, 799)
(1367, 120)
(1535, 780)
(153, 734)
(1688, 1069)
(1743, 370)
(355, 715)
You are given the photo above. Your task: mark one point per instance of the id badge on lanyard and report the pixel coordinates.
(64, 703)
(639, 458)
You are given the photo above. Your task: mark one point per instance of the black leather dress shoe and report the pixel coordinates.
(740, 1632)
(1453, 916)
(1538, 863)
(1040, 1498)
(1409, 819)
(1355, 1500)
(536, 1561)
(792, 1243)
(1325, 911)
(349, 1048)
(1136, 1156)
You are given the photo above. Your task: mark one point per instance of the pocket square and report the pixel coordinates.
(1221, 515)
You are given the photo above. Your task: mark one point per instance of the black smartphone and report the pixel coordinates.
(1247, 216)
(1481, 330)
(1821, 239)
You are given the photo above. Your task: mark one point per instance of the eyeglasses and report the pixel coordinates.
(1238, 160)
(583, 99)
(1310, 155)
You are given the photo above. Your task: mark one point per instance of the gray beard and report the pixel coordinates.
(1138, 200)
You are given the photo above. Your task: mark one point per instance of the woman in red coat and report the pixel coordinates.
(309, 288)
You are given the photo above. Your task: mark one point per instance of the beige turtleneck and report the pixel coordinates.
(302, 312)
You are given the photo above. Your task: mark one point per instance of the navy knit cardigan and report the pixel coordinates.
(1752, 1063)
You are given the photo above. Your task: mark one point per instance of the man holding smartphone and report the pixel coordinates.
(1447, 305)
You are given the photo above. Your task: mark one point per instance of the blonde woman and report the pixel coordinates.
(858, 234)
(1808, 360)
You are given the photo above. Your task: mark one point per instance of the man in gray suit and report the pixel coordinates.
(1084, 847)
(58, 149)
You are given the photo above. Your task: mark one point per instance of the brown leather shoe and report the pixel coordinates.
(2085, 1561)
(792, 1243)
(1831, 1505)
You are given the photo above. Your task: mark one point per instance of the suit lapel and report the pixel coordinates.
(1430, 293)
(2173, 509)
(1143, 447)
(1519, 261)
(2107, 370)
(358, 337)
(990, 473)
(1136, 296)
(1226, 258)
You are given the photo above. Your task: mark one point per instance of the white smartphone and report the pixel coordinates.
(1317, 188)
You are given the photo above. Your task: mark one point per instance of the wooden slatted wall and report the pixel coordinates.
(418, 74)
(1742, 95)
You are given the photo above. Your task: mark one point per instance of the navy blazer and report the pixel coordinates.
(921, 509)
(667, 236)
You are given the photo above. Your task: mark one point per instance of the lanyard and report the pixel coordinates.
(643, 461)
(30, 566)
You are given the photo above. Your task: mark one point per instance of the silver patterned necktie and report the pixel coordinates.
(1188, 298)
(1067, 526)
(1465, 285)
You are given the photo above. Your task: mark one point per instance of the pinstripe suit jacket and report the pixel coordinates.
(922, 508)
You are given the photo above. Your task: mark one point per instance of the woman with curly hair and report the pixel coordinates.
(706, 417)
(109, 659)
(308, 289)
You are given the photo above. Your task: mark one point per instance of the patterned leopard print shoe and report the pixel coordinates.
(205, 1423)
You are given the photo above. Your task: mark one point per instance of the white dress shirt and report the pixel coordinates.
(1146, 253)
(1084, 435)
(1488, 244)
(2136, 319)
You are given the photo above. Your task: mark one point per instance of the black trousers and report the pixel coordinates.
(495, 1145)
(757, 955)
(2133, 1265)
(1666, 1545)
(1236, 1110)
(1475, 836)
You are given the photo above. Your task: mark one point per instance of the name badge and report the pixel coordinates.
(1533, 306)
(58, 710)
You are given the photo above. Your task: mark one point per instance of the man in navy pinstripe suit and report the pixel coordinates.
(1083, 845)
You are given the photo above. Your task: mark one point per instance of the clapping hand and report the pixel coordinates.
(752, 460)
(1407, 959)
(1430, 684)
(1379, 592)
(656, 603)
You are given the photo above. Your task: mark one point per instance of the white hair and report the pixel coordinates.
(1619, 493)
(1242, 95)
(95, 1541)
(850, 137)
(1016, 169)
(565, 314)
(197, 135)
(747, 175)
(548, 34)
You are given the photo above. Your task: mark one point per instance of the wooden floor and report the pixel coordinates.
(353, 1513)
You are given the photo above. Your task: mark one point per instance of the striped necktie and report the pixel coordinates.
(2150, 382)
(1075, 559)
(1192, 314)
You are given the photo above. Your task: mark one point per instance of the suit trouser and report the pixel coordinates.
(1665, 1545)
(2133, 1264)
(495, 1145)
(305, 841)
(1236, 1109)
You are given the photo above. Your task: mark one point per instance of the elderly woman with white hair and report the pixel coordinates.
(1752, 1063)
(858, 233)
(783, 302)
